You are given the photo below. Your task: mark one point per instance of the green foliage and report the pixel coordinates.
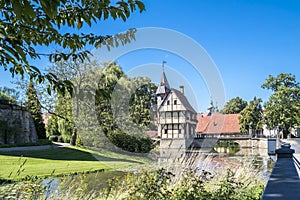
(151, 185)
(66, 106)
(238, 187)
(234, 106)
(282, 110)
(130, 143)
(52, 127)
(111, 73)
(29, 189)
(226, 188)
(60, 128)
(62, 121)
(230, 147)
(142, 102)
(34, 106)
(124, 108)
(280, 81)
(38, 143)
(161, 184)
(8, 95)
(27, 24)
(192, 186)
(251, 116)
(64, 160)
(227, 144)
(145, 185)
(53, 138)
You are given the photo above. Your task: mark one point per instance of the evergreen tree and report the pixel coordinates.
(33, 105)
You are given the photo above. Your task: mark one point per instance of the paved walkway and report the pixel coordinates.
(36, 148)
(284, 182)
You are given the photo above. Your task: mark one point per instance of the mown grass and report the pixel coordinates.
(58, 161)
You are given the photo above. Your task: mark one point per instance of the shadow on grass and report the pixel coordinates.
(65, 154)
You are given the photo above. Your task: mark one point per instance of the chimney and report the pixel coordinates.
(181, 88)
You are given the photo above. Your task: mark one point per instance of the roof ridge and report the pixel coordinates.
(183, 100)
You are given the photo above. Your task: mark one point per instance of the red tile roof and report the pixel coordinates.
(152, 134)
(218, 123)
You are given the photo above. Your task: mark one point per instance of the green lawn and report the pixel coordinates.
(62, 161)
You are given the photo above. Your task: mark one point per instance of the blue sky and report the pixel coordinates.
(247, 40)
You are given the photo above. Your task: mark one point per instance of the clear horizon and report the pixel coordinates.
(248, 41)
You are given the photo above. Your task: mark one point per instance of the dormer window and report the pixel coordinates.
(168, 102)
(175, 102)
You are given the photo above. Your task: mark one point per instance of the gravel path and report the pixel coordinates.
(36, 148)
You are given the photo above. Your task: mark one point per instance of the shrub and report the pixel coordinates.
(60, 139)
(53, 138)
(66, 138)
(79, 141)
(162, 184)
(131, 143)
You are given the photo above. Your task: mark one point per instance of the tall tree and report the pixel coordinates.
(124, 108)
(66, 106)
(62, 122)
(282, 110)
(27, 24)
(280, 81)
(142, 102)
(33, 105)
(251, 116)
(119, 102)
(8, 95)
(111, 73)
(234, 106)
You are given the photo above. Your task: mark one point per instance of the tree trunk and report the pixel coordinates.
(285, 133)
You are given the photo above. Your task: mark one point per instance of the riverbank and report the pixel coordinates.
(42, 161)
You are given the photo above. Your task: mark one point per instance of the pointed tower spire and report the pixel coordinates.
(163, 87)
(163, 65)
(163, 79)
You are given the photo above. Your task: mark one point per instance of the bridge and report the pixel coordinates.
(244, 141)
(284, 182)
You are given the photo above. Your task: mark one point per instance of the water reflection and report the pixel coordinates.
(230, 151)
(228, 147)
(221, 157)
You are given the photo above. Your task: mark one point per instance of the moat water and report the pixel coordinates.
(223, 157)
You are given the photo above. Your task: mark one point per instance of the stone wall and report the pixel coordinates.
(16, 125)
